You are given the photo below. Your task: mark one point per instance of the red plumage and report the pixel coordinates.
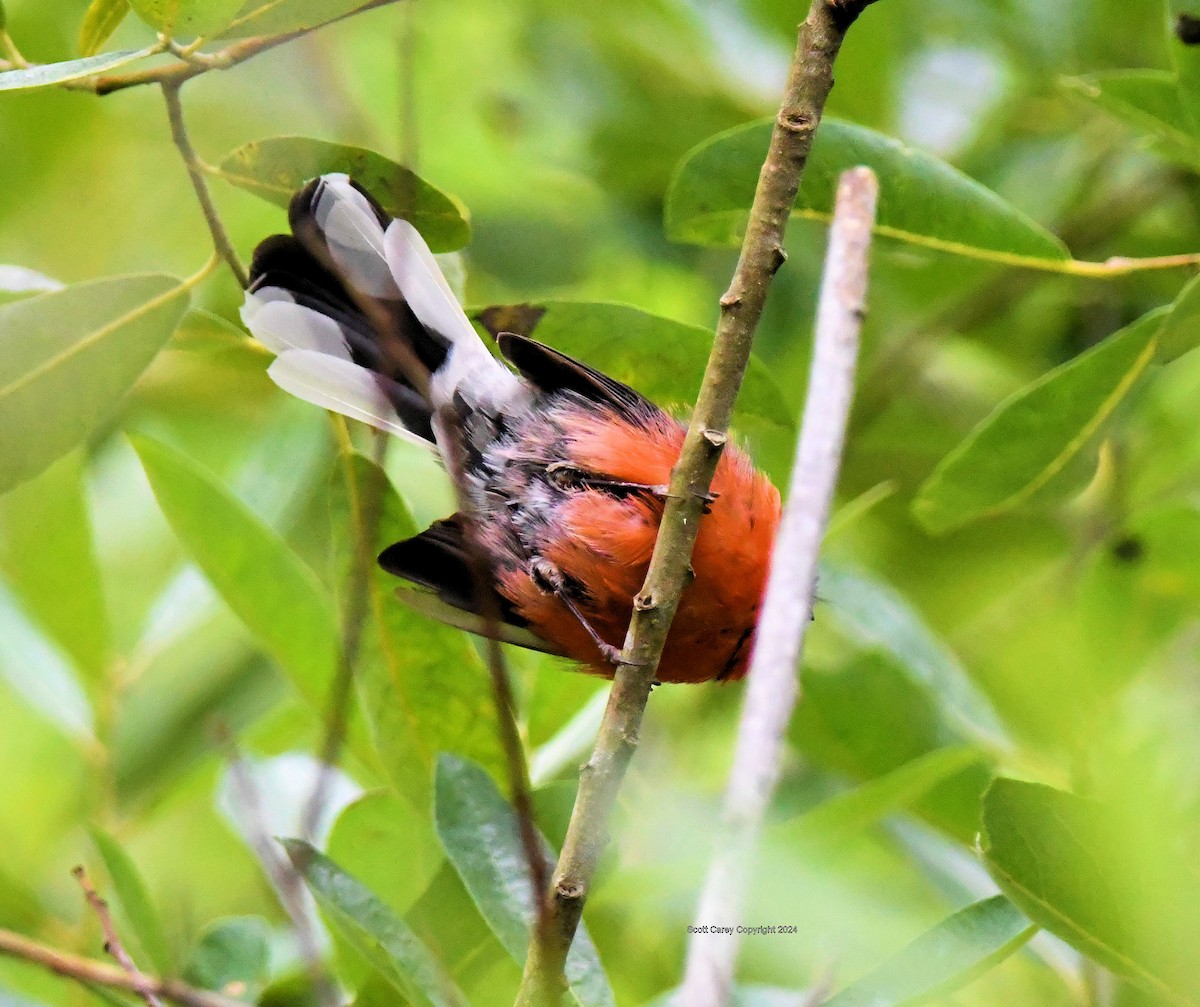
(565, 470)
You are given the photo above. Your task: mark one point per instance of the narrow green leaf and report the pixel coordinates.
(424, 686)
(135, 900)
(379, 935)
(100, 20)
(1101, 879)
(1180, 331)
(958, 950)
(46, 74)
(186, 18)
(68, 357)
(480, 835)
(233, 956)
(48, 555)
(661, 358)
(277, 167)
(922, 200)
(277, 17)
(869, 802)
(261, 579)
(874, 614)
(745, 996)
(376, 829)
(1148, 100)
(1030, 438)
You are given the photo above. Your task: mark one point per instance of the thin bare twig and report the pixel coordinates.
(92, 972)
(112, 940)
(183, 142)
(809, 82)
(284, 878)
(787, 606)
(502, 695)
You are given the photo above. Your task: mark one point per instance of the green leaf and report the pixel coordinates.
(100, 20)
(379, 935)
(294, 990)
(233, 957)
(68, 357)
(277, 167)
(661, 358)
(48, 555)
(369, 836)
(269, 588)
(869, 802)
(922, 200)
(1105, 881)
(1180, 330)
(874, 614)
(424, 687)
(959, 949)
(1029, 438)
(480, 835)
(186, 18)
(45, 74)
(277, 17)
(135, 900)
(1148, 100)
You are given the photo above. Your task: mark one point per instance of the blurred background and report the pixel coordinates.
(559, 126)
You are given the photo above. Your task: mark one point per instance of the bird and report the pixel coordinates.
(563, 471)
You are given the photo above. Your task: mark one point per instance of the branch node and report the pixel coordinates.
(778, 258)
(730, 300)
(645, 603)
(792, 121)
(717, 439)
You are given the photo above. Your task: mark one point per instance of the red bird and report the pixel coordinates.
(565, 469)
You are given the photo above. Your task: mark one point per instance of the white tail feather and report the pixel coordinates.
(339, 385)
(469, 369)
(280, 324)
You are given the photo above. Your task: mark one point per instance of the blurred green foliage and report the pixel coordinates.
(1001, 684)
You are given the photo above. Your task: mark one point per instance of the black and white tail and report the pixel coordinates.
(362, 320)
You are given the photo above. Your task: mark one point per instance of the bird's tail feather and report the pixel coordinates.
(361, 318)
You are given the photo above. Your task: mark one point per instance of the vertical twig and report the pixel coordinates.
(809, 82)
(366, 503)
(487, 602)
(284, 878)
(112, 940)
(195, 169)
(774, 678)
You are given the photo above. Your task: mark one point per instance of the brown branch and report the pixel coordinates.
(774, 683)
(198, 63)
(183, 142)
(112, 940)
(92, 972)
(809, 82)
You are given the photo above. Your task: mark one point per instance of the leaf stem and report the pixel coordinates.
(809, 82)
(787, 605)
(212, 218)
